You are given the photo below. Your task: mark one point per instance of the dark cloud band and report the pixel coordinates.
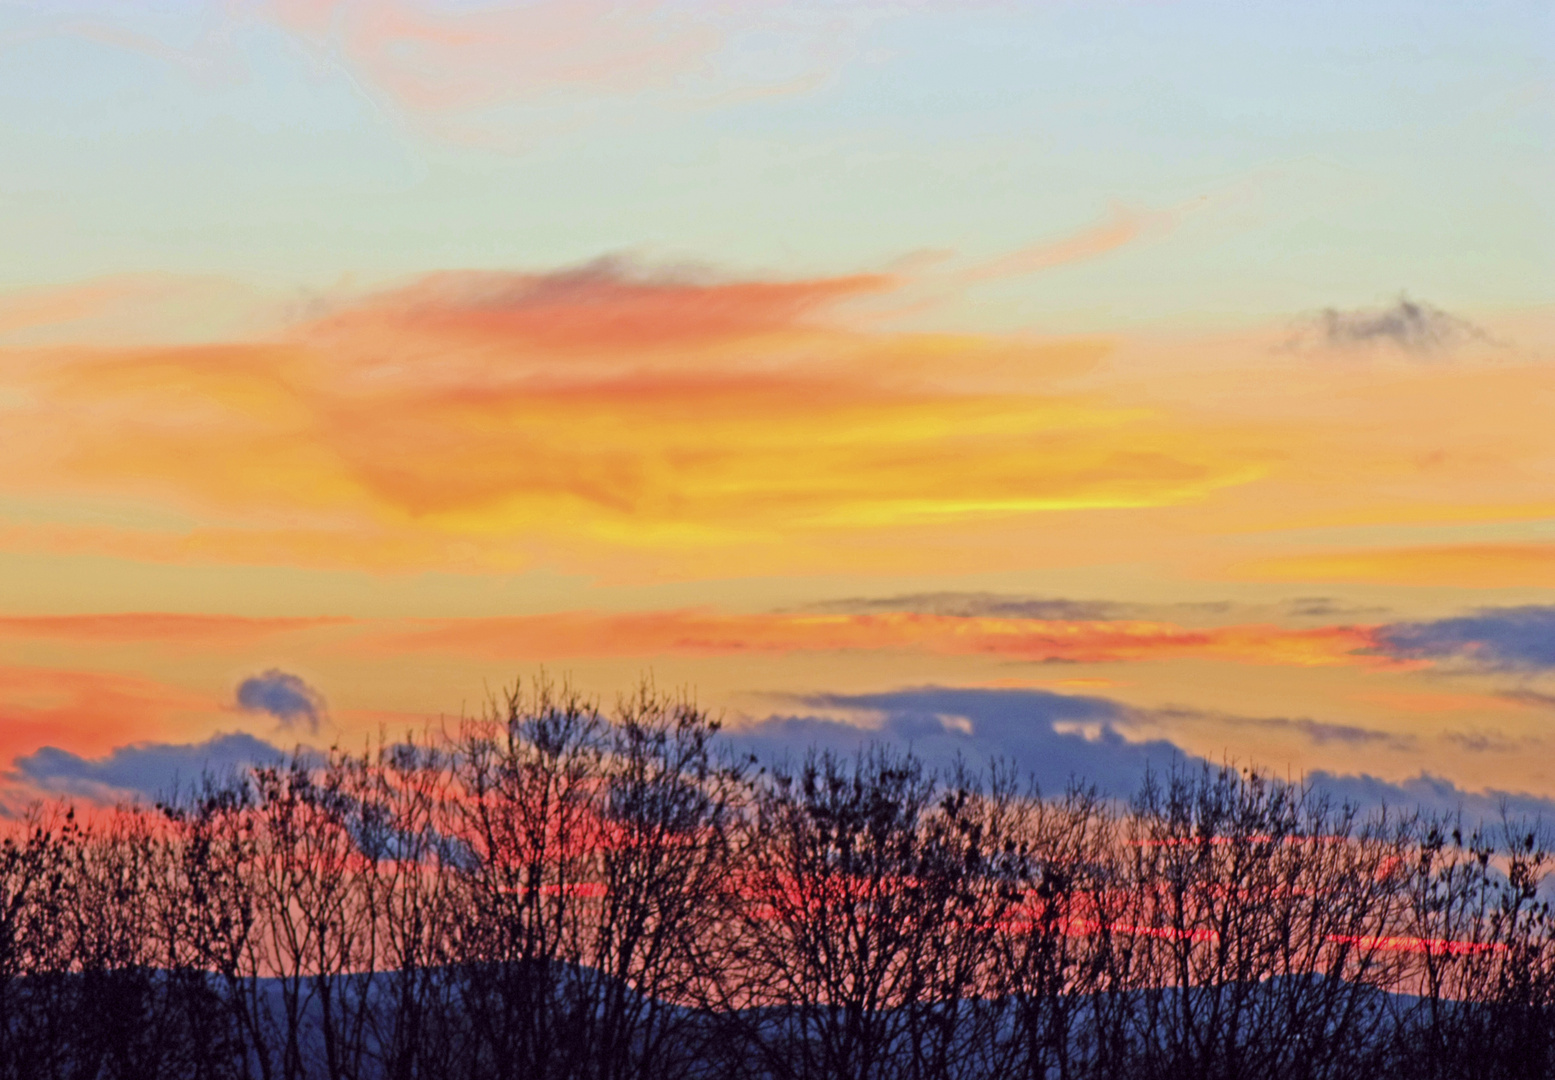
(148, 769)
(1035, 730)
(1515, 638)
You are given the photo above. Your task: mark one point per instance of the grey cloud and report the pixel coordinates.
(978, 724)
(1487, 742)
(1320, 732)
(1410, 326)
(1032, 729)
(1533, 698)
(1018, 606)
(1014, 606)
(151, 769)
(975, 604)
(1326, 607)
(1513, 638)
(286, 697)
(1433, 794)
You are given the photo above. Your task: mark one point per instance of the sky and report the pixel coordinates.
(1098, 384)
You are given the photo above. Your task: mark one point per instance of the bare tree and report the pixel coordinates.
(529, 777)
(668, 807)
(35, 1013)
(868, 903)
(1479, 937)
(1261, 915)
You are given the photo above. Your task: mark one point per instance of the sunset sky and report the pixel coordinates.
(1091, 383)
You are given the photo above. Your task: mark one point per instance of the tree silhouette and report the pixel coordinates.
(557, 891)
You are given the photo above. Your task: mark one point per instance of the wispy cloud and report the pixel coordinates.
(690, 632)
(1121, 226)
(1019, 606)
(466, 71)
(1490, 565)
(1318, 732)
(1327, 607)
(980, 604)
(143, 308)
(1532, 698)
(432, 57)
(1490, 742)
(185, 631)
(1322, 732)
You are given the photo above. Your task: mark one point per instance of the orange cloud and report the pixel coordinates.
(580, 634)
(142, 307)
(1437, 701)
(40, 307)
(489, 421)
(634, 424)
(362, 548)
(87, 712)
(1121, 226)
(607, 305)
(1490, 566)
(198, 631)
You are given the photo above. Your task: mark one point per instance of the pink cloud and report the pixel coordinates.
(432, 58)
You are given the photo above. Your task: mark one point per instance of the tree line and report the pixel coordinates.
(553, 892)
